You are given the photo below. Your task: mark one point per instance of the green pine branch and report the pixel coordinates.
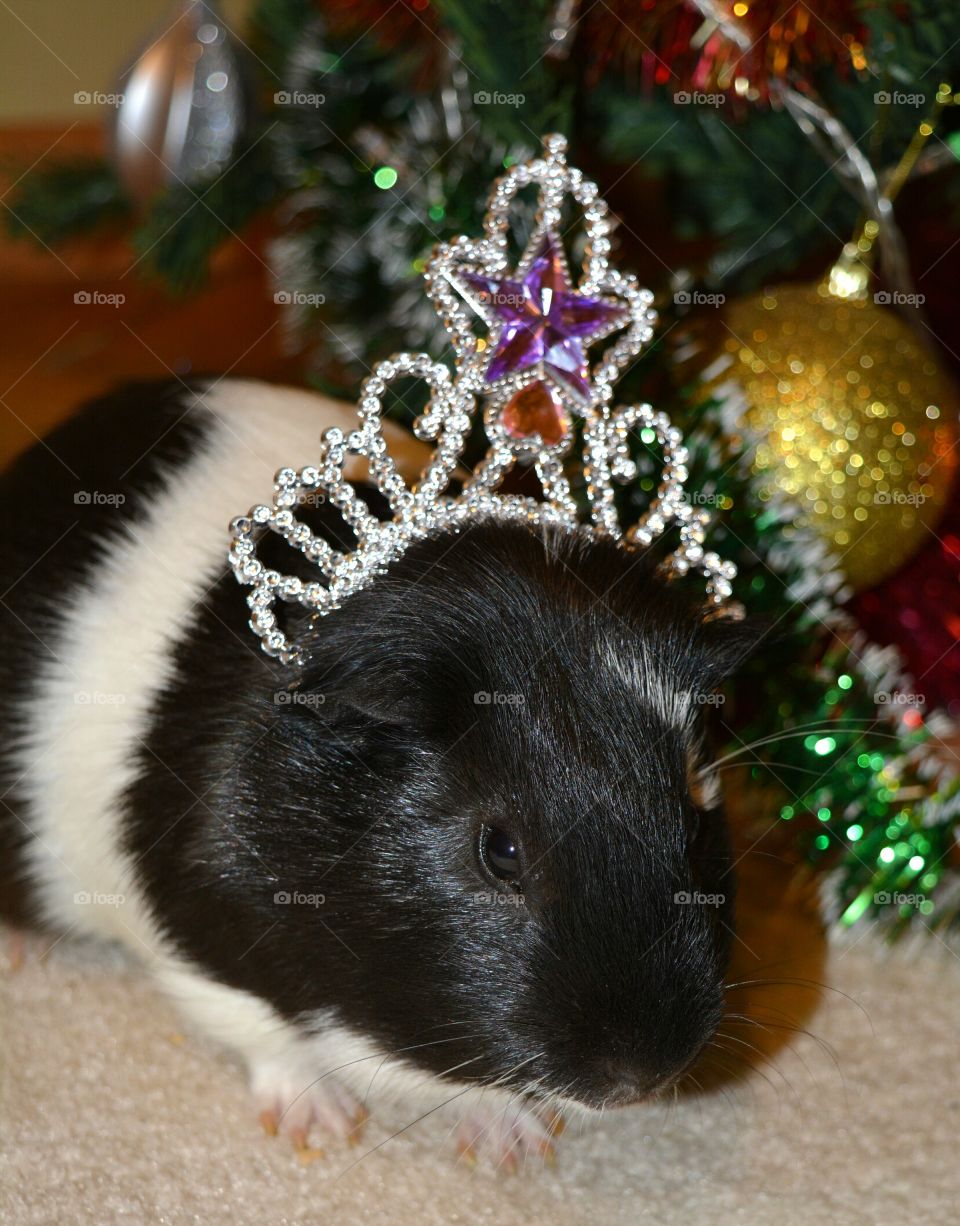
(65, 200)
(186, 225)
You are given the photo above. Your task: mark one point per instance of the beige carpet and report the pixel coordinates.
(111, 1114)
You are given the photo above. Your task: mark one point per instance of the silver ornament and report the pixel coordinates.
(185, 104)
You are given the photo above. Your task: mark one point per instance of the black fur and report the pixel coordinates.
(365, 776)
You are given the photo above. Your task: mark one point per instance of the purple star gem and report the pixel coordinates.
(544, 320)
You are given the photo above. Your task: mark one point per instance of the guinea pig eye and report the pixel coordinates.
(499, 853)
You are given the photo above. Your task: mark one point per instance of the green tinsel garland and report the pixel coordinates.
(871, 793)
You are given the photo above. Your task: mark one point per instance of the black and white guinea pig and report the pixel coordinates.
(447, 857)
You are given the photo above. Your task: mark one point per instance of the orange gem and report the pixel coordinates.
(536, 410)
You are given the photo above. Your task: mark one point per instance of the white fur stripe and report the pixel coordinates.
(90, 706)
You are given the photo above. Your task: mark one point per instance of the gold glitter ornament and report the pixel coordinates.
(853, 417)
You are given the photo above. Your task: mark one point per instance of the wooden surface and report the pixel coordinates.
(57, 352)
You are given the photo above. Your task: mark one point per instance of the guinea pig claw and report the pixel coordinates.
(355, 1135)
(295, 1103)
(306, 1152)
(508, 1163)
(509, 1141)
(555, 1123)
(466, 1153)
(16, 951)
(548, 1153)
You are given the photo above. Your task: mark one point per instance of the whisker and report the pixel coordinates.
(802, 730)
(457, 1038)
(466, 1089)
(394, 1135)
(728, 1097)
(361, 1060)
(792, 1027)
(788, 981)
(753, 1068)
(772, 1064)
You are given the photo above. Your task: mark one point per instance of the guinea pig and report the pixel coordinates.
(455, 854)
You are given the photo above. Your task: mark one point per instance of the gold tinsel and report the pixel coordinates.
(853, 417)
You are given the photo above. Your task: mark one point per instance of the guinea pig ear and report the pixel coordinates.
(369, 696)
(727, 645)
(378, 708)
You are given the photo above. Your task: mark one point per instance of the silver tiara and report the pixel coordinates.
(531, 370)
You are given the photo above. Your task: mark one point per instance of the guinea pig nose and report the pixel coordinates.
(626, 1082)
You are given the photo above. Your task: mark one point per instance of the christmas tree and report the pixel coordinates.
(752, 153)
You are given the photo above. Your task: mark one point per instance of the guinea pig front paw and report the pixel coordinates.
(293, 1105)
(509, 1137)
